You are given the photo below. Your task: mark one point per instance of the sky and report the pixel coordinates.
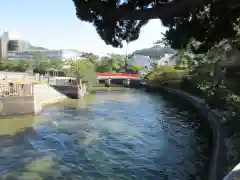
(53, 24)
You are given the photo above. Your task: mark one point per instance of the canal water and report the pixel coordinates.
(128, 135)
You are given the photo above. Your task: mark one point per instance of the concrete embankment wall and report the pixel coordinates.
(43, 94)
(218, 148)
(73, 92)
(17, 105)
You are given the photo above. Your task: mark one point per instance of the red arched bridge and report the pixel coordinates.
(126, 78)
(104, 76)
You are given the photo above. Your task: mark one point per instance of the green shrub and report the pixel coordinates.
(162, 73)
(172, 75)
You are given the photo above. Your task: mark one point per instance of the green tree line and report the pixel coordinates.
(111, 63)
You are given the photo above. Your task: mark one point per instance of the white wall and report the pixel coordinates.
(61, 81)
(140, 60)
(70, 55)
(166, 60)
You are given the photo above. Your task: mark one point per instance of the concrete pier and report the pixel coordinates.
(126, 82)
(108, 82)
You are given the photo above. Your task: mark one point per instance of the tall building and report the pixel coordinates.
(14, 48)
(18, 45)
(4, 45)
(30, 54)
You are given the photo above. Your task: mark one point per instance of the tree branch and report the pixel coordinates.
(175, 7)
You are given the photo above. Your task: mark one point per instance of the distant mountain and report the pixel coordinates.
(155, 52)
(31, 47)
(74, 50)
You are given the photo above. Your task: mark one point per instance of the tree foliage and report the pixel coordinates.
(18, 66)
(90, 56)
(84, 70)
(111, 63)
(207, 78)
(40, 66)
(207, 21)
(165, 74)
(183, 59)
(136, 68)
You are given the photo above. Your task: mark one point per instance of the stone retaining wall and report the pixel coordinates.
(216, 165)
(17, 105)
(43, 94)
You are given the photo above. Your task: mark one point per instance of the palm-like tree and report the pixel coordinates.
(113, 62)
(83, 70)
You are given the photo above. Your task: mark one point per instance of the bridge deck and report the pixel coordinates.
(117, 76)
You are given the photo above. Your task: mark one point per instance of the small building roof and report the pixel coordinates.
(53, 69)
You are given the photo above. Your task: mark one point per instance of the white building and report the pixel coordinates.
(168, 59)
(140, 60)
(14, 48)
(4, 45)
(49, 54)
(143, 61)
(71, 55)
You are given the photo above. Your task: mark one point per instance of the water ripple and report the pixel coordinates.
(130, 136)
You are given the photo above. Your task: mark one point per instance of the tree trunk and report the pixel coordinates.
(79, 81)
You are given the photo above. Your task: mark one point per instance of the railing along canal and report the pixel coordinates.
(16, 90)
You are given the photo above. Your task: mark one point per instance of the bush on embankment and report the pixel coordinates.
(165, 74)
(199, 82)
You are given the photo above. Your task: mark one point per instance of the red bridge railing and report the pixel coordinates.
(119, 74)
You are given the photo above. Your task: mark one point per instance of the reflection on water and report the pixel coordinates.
(112, 135)
(14, 125)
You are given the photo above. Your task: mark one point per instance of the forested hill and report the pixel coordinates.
(154, 52)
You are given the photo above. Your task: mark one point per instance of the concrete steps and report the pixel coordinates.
(45, 94)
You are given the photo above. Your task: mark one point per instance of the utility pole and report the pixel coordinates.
(126, 58)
